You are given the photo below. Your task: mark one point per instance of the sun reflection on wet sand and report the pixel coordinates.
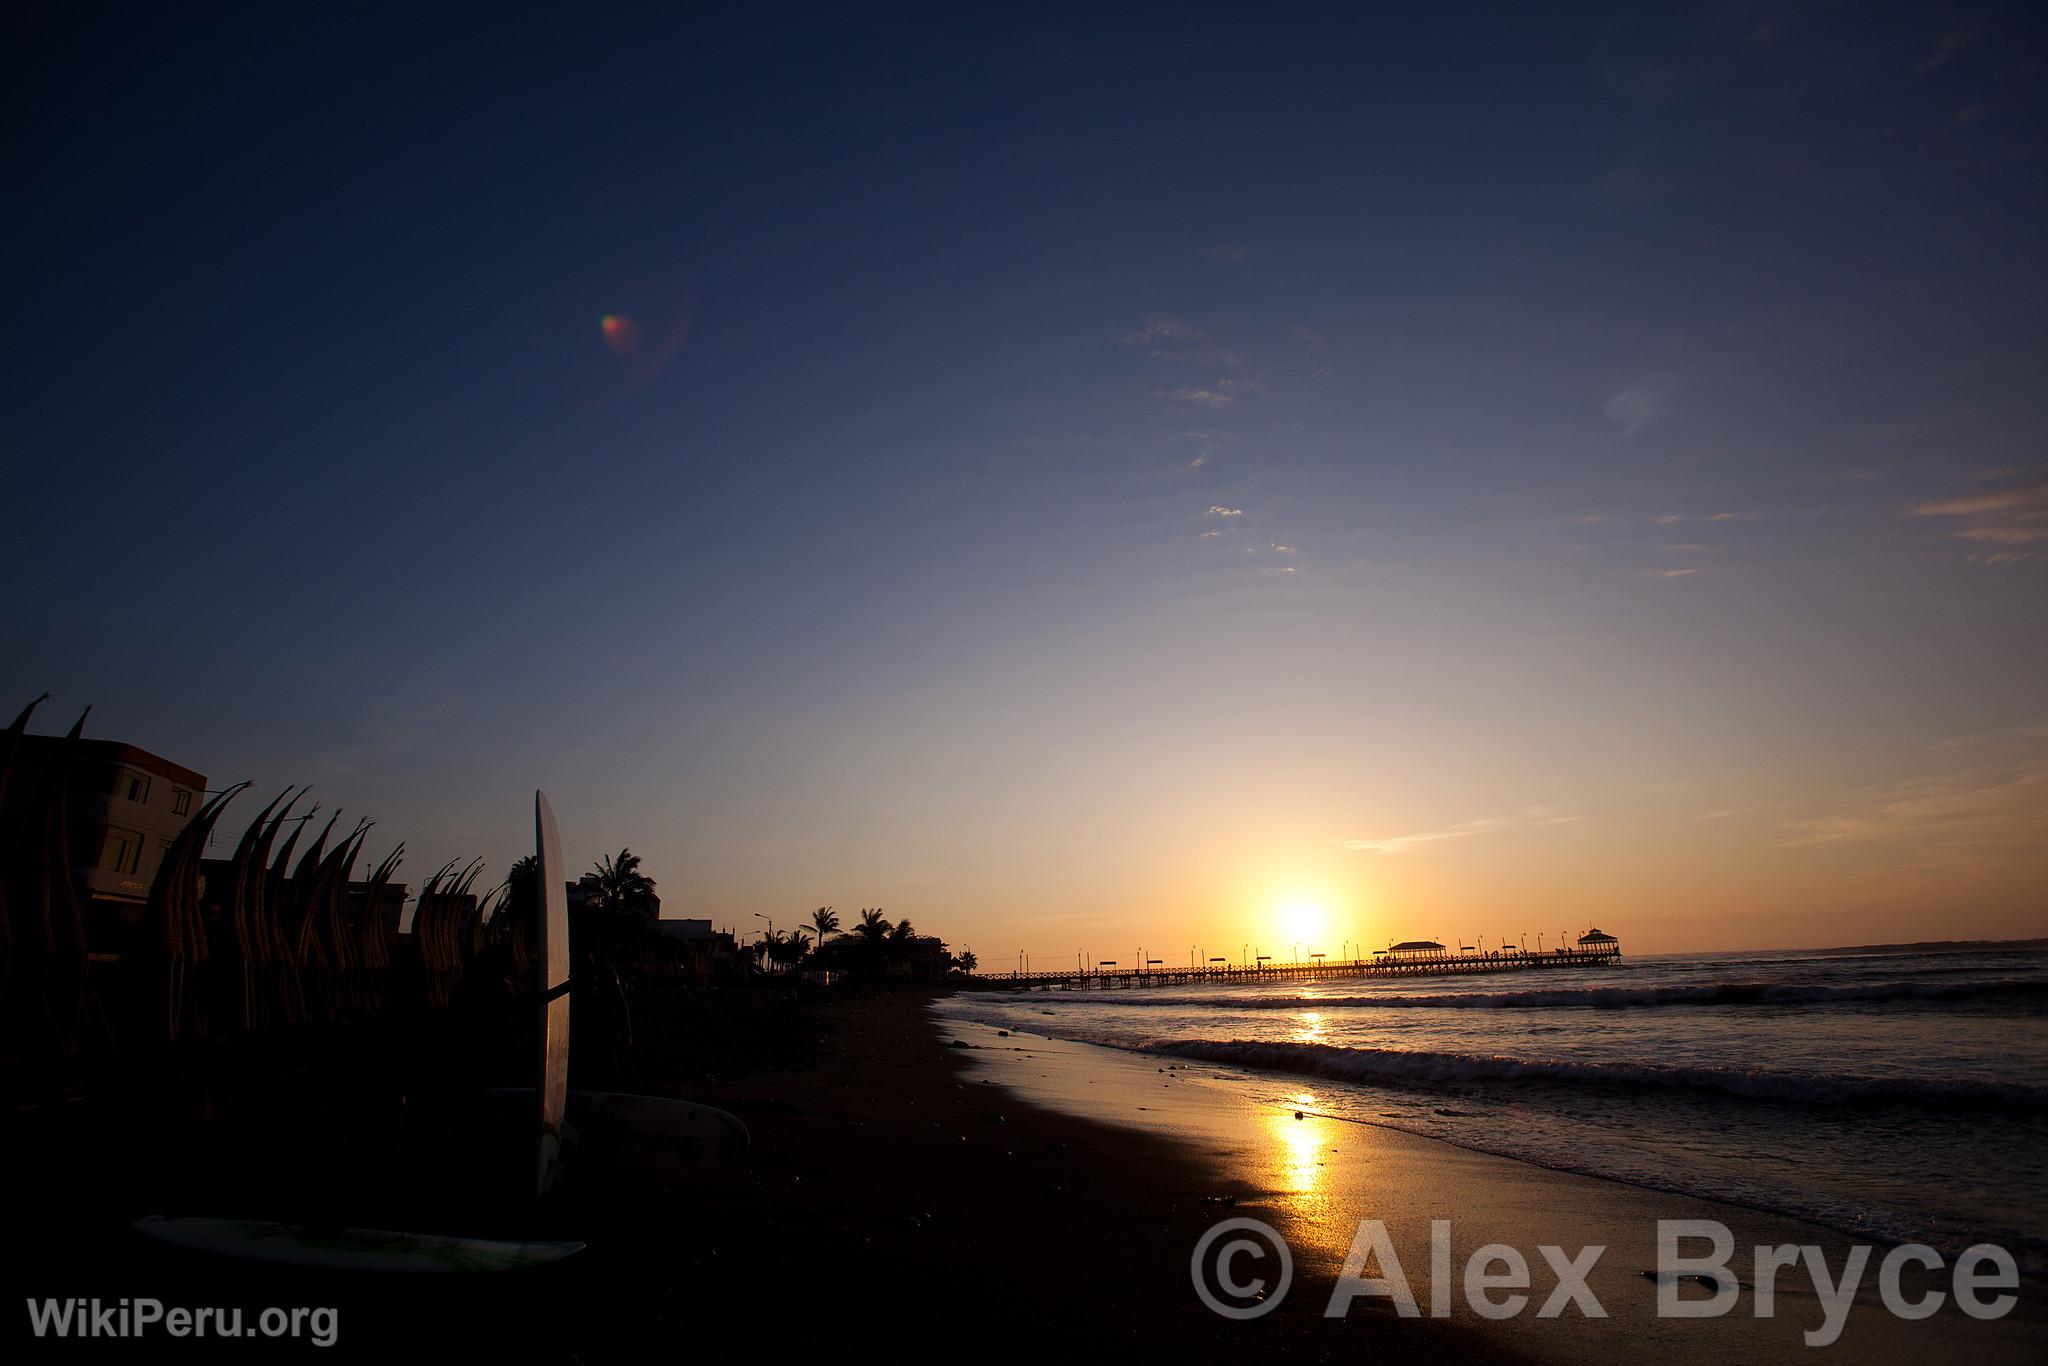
(1301, 1151)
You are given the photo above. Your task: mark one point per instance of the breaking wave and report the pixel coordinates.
(1393, 1067)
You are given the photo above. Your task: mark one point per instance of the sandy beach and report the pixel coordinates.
(1008, 1199)
(890, 1196)
(1315, 1177)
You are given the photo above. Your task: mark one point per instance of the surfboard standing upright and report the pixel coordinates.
(553, 906)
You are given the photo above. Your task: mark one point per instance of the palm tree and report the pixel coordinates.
(825, 922)
(782, 950)
(967, 961)
(617, 884)
(873, 928)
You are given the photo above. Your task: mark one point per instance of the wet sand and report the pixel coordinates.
(1316, 1177)
(1018, 1199)
(890, 1198)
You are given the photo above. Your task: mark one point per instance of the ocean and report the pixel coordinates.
(1895, 1093)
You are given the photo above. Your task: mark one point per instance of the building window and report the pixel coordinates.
(138, 788)
(123, 852)
(181, 801)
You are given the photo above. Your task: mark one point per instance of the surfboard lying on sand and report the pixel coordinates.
(646, 1138)
(349, 1249)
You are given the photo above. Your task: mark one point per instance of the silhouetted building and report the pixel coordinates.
(692, 950)
(127, 805)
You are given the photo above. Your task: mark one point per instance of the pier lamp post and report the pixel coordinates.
(1244, 956)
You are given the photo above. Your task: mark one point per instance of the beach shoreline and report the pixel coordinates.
(1008, 1198)
(887, 1197)
(1318, 1175)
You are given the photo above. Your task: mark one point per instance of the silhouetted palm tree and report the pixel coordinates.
(617, 884)
(782, 950)
(825, 922)
(873, 928)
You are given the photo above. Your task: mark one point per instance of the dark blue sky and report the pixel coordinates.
(1587, 407)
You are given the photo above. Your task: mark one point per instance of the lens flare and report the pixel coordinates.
(621, 333)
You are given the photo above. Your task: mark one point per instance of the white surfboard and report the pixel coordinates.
(350, 1249)
(553, 957)
(646, 1138)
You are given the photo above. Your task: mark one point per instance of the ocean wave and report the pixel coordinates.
(1615, 998)
(1394, 1067)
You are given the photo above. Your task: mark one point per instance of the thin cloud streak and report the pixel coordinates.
(1529, 818)
(2004, 518)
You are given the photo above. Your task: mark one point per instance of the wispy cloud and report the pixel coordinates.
(1218, 510)
(2029, 498)
(1637, 407)
(1529, 817)
(1163, 329)
(2004, 518)
(1944, 818)
(1204, 398)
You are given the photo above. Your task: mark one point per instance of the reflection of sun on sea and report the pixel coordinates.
(1311, 1030)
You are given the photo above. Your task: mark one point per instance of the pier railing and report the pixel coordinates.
(1445, 964)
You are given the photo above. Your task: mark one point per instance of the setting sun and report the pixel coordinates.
(1303, 919)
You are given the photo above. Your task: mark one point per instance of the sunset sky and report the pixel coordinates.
(1080, 481)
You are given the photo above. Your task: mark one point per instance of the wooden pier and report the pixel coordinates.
(1447, 963)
